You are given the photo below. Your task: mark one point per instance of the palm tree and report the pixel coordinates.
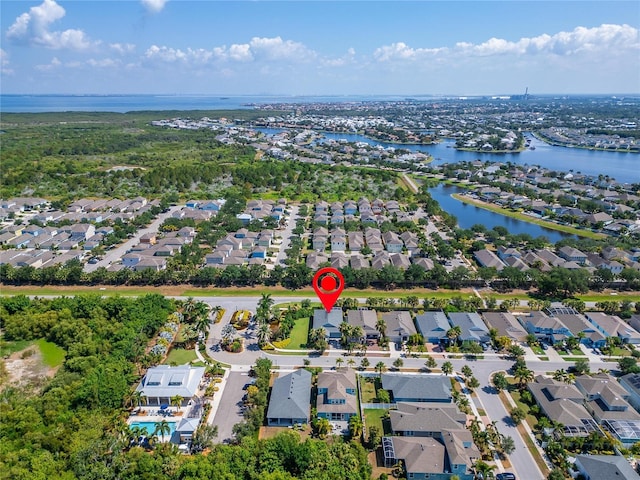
(523, 376)
(163, 428)
(381, 327)
(380, 367)
(482, 468)
(453, 333)
(560, 375)
(139, 398)
(176, 401)
(263, 334)
(339, 362)
(431, 363)
(364, 363)
(215, 311)
(447, 368)
(355, 426)
(351, 362)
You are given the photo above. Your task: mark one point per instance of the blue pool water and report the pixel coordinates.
(150, 427)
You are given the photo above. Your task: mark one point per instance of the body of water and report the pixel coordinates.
(129, 103)
(469, 215)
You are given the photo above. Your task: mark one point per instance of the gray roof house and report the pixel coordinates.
(290, 398)
(562, 403)
(399, 326)
(425, 419)
(506, 325)
(330, 321)
(631, 383)
(418, 388)
(433, 326)
(486, 258)
(605, 467)
(367, 319)
(454, 453)
(613, 326)
(337, 395)
(471, 325)
(164, 381)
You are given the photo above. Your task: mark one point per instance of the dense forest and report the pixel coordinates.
(71, 426)
(67, 156)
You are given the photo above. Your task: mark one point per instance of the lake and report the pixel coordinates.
(469, 215)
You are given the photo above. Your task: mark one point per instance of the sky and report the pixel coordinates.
(319, 47)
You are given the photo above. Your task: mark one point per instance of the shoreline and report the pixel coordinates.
(525, 218)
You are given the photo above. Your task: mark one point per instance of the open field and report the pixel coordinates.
(52, 355)
(180, 356)
(299, 334)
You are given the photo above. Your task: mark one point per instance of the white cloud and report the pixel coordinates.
(257, 50)
(32, 28)
(122, 48)
(4, 63)
(153, 6)
(55, 63)
(603, 39)
(104, 63)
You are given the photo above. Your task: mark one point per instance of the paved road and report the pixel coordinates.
(286, 235)
(229, 411)
(117, 253)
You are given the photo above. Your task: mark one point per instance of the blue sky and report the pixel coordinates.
(319, 47)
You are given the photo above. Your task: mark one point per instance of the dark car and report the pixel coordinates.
(505, 476)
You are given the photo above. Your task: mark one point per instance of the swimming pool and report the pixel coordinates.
(150, 427)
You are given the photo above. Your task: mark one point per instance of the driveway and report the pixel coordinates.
(229, 411)
(116, 254)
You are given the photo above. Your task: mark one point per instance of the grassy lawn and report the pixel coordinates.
(537, 350)
(367, 390)
(619, 352)
(575, 351)
(299, 334)
(180, 356)
(529, 219)
(52, 355)
(544, 359)
(9, 347)
(373, 416)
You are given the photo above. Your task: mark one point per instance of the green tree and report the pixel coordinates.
(163, 428)
(380, 368)
(447, 368)
(500, 381)
(517, 415)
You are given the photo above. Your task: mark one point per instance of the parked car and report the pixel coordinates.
(505, 476)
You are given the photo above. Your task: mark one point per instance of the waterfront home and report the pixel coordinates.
(290, 399)
(573, 255)
(486, 258)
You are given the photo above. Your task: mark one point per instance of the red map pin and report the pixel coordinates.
(328, 284)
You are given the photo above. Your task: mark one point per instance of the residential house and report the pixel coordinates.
(315, 260)
(571, 254)
(605, 467)
(358, 262)
(164, 382)
(330, 321)
(399, 326)
(290, 399)
(337, 395)
(453, 456)
(562, 403)
(578, 325)
(486, 258)
(613, 326)
(365, 319)
(433, 326)
(425, 419)
(392, 242)
(471, 325)
(338, 240)
(544, 326)
(506, 324)
(356, 241)
(631, 383)
(418, 388)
